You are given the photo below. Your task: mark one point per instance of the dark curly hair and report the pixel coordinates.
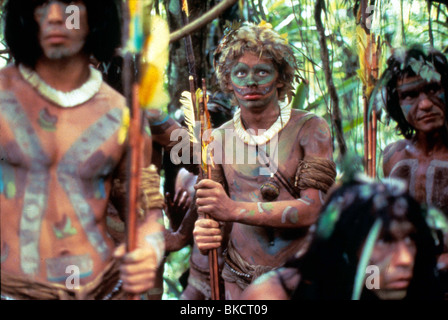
(21, 29)
(399, 67)
(329, 267)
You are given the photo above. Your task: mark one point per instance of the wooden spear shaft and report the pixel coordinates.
(375, 75)
(135, 139)
(212, 254)
(369, 119)
(135, 153)
(199, 114)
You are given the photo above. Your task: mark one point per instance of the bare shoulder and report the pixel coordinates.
(295, 113)
(394, 152)
(310, 123)
(9, 76)
(314, 135)
(274, 285)
(397, 146)
(303, 117)
(112, 97)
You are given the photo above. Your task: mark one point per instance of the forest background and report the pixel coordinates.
(342, 47)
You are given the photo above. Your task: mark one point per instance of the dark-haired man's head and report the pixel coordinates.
(58, 29)
(378, 225)
(416, 83)
(57, 39)
(394, 255)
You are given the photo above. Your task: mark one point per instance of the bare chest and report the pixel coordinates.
(252, 166)
(427, 178)
(38, 137)
(57, 164)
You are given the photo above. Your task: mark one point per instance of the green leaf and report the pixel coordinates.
(300, 96)
(353, 124)
(365, 258)
(172, 287)
(347, 86)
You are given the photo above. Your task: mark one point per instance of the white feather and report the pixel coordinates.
(188, 109)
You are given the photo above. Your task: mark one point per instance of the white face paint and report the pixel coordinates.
(322, 197)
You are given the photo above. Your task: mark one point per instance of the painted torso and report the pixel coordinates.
(269, 246)
(55, 179)
(426, 176)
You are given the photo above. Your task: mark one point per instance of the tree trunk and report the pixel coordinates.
(336, 112)
(178, 72)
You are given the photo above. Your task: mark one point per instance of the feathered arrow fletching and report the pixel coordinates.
(194, 125)
(189, 114)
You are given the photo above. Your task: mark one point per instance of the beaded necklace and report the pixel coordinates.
(64, 99)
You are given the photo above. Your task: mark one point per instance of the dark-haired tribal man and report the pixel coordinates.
(63, 158)
(273, 198)
(416, 84)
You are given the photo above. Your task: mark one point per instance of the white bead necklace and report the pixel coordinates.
(64, 99)
(282, 120)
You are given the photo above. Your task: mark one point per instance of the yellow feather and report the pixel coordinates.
(361, 38)
(124, 128)
(152, 93)
(133, 7)
(185, 7)
(264, 24)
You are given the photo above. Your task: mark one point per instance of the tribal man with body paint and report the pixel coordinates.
(416, 87)
(63, 158)
(272, 159)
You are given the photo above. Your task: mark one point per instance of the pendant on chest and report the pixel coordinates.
(270, 190)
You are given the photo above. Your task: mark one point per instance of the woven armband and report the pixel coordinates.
(315, 173)
(150, 196)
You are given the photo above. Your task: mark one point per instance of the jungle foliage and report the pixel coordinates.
(334, 85)
(329, 39)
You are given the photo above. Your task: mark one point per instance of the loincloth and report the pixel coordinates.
(237, 270)
(106, 286)
(199, 279)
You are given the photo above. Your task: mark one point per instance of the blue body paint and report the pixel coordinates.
(35, 197)
(56, 267)
(86, 145)
(5, 252)
(101, 189)
(160, 122)
(2, 185)
(406, 110)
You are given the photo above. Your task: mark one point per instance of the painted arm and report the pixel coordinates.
(138, 269)
(162, 125)
(213, 200)
(386, 160)
(302, 212)
(393, 153)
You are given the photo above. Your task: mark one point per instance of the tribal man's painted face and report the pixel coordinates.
(394, 255)
(56, 39)
(254, 81)
(423, 103)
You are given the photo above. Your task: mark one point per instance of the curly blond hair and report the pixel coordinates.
(263, 41)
